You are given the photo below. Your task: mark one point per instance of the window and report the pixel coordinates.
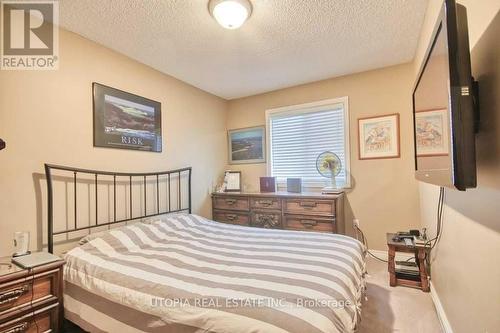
(298, 134)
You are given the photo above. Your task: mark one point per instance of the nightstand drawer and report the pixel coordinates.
(44, 320)
(266, 219)
(27, 292)
(231, 217)
(265, 203)
(231, 202)
(309, 223)
(310, 206)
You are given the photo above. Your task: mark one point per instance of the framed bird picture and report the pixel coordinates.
(378, 137)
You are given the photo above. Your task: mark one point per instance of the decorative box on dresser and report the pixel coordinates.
(31, 300)
(281, 210)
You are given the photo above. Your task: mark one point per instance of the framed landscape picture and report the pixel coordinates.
(124, 120)
(379, 137)
(431, 132)
(247, 145)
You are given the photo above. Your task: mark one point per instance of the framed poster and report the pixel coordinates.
(431, 132)
(247, 145)
(378, 137)
(124, 120)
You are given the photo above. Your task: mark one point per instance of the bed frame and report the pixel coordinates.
(144, 176)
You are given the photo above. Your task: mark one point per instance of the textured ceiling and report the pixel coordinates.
(284, 43)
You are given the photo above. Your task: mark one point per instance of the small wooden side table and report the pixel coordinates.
(420, 252)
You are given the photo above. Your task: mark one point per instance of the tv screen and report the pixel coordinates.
(443, 106)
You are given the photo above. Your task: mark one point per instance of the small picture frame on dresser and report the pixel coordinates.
(267, 184)
(294, 185)
(232, 181)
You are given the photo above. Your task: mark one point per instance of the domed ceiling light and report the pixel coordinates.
(231, 14)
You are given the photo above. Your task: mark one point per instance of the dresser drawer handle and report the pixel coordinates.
(12, 295)
(230, 201)
(265, 202)
(19, 328)
(231, 217)
(308, 223)
(267, 220)
(308, 204)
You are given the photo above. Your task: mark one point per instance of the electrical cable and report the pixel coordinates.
(439, 217)
(439, 221)
(439, 231)
(439, 225)
(31, 271)
(365, 243)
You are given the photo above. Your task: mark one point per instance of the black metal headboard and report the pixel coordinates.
(144, 178)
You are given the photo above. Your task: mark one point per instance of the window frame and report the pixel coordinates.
(309, 108)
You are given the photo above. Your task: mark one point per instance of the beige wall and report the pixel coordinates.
(47, 117)
(465, 271)
(385, 194)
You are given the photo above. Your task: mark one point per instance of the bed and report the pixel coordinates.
(177, 272)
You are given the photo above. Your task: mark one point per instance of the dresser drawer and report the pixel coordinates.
(44, 320)
(266, 219)
(294, 211)
(232, 217)
(265, 203)
(231, 202)
(310, 206)
(309, 223)
(27, 292)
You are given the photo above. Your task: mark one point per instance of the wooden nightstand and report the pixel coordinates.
(422, 279)
(31, 300)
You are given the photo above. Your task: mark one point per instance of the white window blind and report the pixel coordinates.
(299, 135)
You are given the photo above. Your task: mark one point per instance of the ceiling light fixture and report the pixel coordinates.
(231, 14)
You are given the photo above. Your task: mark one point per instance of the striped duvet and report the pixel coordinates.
(187, 274)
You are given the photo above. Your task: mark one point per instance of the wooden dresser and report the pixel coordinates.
(281, 210)
(31, 301)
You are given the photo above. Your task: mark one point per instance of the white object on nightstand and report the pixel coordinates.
(35, 259)
(21, 243)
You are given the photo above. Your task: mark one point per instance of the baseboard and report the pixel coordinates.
(385, 256)
(445, 324)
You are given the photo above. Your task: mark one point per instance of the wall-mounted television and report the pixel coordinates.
(445, 105)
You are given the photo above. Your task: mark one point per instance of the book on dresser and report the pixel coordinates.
(281, 210)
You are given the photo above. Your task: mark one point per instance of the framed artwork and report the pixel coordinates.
(247, 145)
(232, 181)
(124, 120)
(431, 132)
(378, 137)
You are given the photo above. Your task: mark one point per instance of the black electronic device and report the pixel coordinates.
(414, 232)
(445, 105)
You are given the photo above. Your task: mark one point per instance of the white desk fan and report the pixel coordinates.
(329, 165)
